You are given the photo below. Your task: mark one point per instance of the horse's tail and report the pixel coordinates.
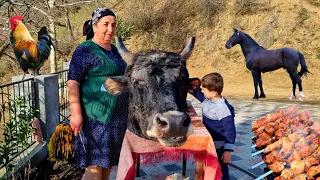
(304, 69)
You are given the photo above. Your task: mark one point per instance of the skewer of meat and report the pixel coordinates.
(265, 139)
(313, 171)
(300, 177)
(298, 153)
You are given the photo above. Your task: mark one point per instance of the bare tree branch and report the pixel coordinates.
(40, 10)
(75, 3)
(2, 3)
(10, 56)
(4, 47)
(33, 7)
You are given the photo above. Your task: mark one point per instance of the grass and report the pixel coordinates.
(209, 9)
(314, 2)
(318, 53)
(252, 6)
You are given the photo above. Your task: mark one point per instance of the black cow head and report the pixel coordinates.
(157, 82)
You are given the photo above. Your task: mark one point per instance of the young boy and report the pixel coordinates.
(217, 116)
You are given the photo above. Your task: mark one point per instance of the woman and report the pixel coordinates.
(98, 119)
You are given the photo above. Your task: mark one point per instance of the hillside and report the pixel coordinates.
(292, 24)
(167, 25)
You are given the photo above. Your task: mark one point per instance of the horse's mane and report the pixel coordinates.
(250, 38)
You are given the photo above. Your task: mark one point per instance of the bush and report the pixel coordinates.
(209, 8)
(314, 2)
(16, 135)
(143, 15)
(161, 25)
(61, 144)
(303, 15)
(251, 6)
(124, 30)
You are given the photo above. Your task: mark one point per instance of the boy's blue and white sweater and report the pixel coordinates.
(218, 117)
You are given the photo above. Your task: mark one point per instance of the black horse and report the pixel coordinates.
(260, 60)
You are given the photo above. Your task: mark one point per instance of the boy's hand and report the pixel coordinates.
(194, 84)
(226, 157)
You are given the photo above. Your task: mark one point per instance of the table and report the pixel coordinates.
(199, 145)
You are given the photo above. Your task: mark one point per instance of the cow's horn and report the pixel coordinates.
(124, 52)
(187, 50)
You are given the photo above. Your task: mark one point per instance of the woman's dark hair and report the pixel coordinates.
(96, 16)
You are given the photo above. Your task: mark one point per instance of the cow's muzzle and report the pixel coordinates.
(171, 128)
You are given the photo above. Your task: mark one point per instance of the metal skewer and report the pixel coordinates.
(258, 164)
(258, 152)
(264, 175)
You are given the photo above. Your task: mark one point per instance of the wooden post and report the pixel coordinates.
(184, 164)
(199, 170)
(138, 166)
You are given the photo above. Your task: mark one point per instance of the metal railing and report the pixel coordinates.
(65, 112)
(17, 102)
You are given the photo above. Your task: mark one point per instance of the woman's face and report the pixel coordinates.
(105, 28)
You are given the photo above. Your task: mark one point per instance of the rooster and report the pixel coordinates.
(30, 54)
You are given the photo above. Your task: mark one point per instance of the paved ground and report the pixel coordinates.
(246, 112)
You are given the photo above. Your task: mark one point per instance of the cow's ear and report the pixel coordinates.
(116, 84)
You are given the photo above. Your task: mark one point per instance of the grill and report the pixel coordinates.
(288, 143)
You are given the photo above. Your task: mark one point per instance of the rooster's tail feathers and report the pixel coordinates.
(47, 39)
(42, 31)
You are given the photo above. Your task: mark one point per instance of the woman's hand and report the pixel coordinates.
(226, 157)
(76, 123)
(75, 107)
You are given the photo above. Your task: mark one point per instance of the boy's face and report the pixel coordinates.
(209, 94)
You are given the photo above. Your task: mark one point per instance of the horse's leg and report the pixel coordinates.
(294, 76)
(299, 82)
(255, 77)
(262, 95)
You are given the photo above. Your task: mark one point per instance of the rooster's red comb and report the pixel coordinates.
(16, 17)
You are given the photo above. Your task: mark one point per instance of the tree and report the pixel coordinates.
(38, 13)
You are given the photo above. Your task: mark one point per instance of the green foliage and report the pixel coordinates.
(17, 131)
(303, 15)
(232, 54)
(124, 29)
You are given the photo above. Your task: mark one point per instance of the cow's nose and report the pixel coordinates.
(172, 123)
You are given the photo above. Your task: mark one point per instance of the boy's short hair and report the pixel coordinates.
(213, 82)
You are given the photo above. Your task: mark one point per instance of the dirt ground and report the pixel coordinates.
(47, 170)
(277, 85)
